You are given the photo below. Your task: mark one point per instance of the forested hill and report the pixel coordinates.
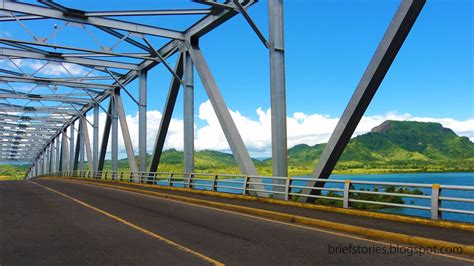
(398, 145)
(393, 146)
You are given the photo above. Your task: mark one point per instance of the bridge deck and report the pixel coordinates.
(413, 229)
(105, 226)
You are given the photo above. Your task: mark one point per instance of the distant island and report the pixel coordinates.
(392, 147)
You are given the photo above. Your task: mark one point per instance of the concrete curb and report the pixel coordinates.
(357, 230)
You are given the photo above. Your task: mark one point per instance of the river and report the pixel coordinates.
(458, 179)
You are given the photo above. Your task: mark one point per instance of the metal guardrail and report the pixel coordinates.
(289, 188)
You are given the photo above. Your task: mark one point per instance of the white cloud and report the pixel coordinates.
(302, 128)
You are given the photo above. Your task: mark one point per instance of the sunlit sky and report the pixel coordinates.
(328, 46)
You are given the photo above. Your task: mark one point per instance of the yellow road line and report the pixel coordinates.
(136, 227)
(152, 195)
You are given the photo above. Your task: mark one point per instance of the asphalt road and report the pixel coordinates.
(87, 224)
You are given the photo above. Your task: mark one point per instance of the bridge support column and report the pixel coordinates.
(53, 155)
(87, 143)
(45, 161)
(278, 94)
(95, 138)
(61, 154)
(81, 144)
(105, 137)
(114, 155)
(71, 147)
(40, 164)
(188, 113)
(142, 123)
(77, 150)
(126, 135)
(229, 128)
(378, 67)
(167, 113)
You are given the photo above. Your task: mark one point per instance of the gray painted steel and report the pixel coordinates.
(167, 113)
(229, 128)
(278, 90)
(188, 118)
(71, 147)
(114, 155)
(42, 131)
(125, 132)
(378, 67)
(95, 138)
(87, 144)
(142, 123)
(105, 138)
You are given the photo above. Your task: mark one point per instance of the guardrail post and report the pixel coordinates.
(347, 187)
(435, 202)
(169, 180)
(214, 183)
(287, 188)
(244, 188)
(190, 177)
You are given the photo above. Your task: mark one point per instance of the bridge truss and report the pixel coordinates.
(53, 85)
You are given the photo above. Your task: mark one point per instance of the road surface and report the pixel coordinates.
(60, 222)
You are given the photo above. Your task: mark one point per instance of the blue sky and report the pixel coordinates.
(328, 46)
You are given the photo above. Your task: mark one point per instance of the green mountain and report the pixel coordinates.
(393, 146)
(402, 145)
(12, 171)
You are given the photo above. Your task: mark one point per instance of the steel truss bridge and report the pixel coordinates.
(44, 118)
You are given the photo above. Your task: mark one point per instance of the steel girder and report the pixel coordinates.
(373, 76)
(73, 107)
(21, 120)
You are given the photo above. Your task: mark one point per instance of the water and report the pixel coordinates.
(460, 179)
(457, 179)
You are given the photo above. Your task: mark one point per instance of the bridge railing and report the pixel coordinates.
(433, 199)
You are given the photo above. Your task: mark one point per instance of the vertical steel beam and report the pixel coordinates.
(229, 128)
(167, 114)
(87, 144)
(53, 155)
(71, 147)
(105, 137)
(61, 154)
(77, 149)
(278, 92)
(81, 144)
(58, 155)
(65, 152)
(95, 138)
(142, 126)
(125, 132)
(188, 113)
(114, 155)
(48, 160)
(378, 67)
(45, 161)
(40, 164)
